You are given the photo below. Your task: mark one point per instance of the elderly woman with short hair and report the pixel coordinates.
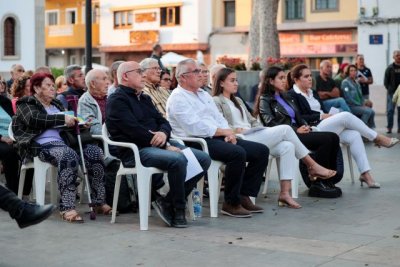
(36, 135)
(20, 88)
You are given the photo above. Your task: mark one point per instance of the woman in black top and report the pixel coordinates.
(275, 107)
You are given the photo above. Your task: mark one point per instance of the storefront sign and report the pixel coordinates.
(144, 37)
(333, 37)
(289, 38)
(145, 17)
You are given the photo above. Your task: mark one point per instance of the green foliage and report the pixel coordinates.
(57, 72)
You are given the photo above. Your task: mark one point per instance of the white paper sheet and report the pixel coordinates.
(193, 165)
(334, 111)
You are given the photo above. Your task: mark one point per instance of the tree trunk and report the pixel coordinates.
(269, 38)
(254, 32)
(263, 34)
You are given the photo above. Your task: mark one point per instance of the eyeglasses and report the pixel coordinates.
(167, 80)
(196, 71)
(154, 68)
(138, 71)
(205, 72)
(20, 70)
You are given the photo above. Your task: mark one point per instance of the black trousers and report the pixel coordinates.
(10, 202)
(11, 162)
(324, 145)
(239, 179)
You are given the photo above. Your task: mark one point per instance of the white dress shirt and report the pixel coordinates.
(314, 103)
(194, 114)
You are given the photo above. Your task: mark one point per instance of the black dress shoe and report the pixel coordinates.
(389, 130)
(33, 214)
(319, 189)
(164, 210)
(332, 185)
(179, 220)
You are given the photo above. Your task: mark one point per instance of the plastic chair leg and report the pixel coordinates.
(115, 199)
(144, 186)
(213, 187)
(21, 182)
(267, 174)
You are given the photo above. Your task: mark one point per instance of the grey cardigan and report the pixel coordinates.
(223, 107)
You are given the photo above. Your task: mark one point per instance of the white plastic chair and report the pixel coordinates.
(43, 170)
(350, 160)
(214, 177)
(143, 174)
(294, 181)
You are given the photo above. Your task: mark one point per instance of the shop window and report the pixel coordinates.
(51, 18)
(294, 9)
(326, 5)
(9, 37)
(123, 19)
(170, 16)
(229, 14)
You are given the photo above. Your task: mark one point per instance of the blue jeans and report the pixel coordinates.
(337, 102)
(390, 106)
(366, 114)
(175, 163)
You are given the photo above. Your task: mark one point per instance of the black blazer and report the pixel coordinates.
(272, 113)
(310, 116)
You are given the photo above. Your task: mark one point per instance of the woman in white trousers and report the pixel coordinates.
(281, 140)
(346, 125)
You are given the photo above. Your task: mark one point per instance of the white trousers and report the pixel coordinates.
(350, 129)
(282, 142)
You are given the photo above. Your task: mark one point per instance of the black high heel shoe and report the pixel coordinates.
(373, 185)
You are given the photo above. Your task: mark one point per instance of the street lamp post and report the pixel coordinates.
(88, 49)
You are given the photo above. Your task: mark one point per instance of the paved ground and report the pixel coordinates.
(362, 228)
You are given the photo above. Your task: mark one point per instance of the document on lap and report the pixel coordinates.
(334, 111)
(253, 130)
(193, 166)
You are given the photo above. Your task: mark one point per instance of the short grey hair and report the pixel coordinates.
(69, 70)
(395, 52)
(91, 76)
(114, 67)
(145, 63)
(324, 62)
(182, 67)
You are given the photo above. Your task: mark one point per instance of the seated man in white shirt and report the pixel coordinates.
(192, 112)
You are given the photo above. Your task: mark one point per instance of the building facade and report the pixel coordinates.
(129, 29)
(313, 29)
(379, 34)
(65, 32)
(22, 37)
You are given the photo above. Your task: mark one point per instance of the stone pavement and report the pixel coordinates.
(362, 228)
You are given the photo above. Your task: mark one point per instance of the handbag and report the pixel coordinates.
(71, 139)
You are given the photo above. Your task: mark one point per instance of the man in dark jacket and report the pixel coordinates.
(76, 84)
(391, 82)
(131, 117)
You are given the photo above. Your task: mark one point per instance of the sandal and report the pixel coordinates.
(103, 210)
(71, 216)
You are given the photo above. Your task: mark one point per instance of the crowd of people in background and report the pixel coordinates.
(146, 104)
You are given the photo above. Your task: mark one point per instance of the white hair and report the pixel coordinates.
(145, 63)
(124, 67)
(324, 62)
(214, 69)
(182, 67)
(91, 76)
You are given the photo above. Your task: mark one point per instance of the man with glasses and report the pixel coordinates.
(131, 117)
(159, 95)
(16, 71)
(192, 113)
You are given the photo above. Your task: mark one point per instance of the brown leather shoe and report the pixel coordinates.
(235, 211)
(248, 205)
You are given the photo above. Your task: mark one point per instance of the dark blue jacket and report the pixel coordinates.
(131, 117)
(310, 116)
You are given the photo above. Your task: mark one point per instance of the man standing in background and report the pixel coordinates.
(391, 81)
